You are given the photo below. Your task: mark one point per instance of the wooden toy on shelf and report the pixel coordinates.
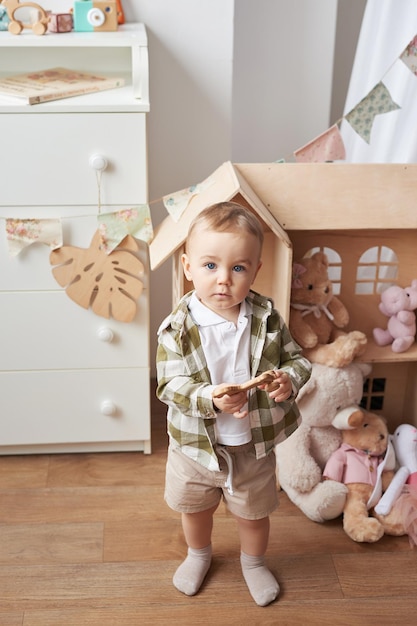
(120, 12)
(16, 26)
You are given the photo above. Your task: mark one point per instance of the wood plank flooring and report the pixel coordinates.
(87, 540)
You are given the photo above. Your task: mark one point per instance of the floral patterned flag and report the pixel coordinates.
(114, 227)
(176, 203)
(23, 232)
(378, 101)
(409, 56)
(328, 146)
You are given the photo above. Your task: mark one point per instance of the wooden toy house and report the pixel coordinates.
(363, 216)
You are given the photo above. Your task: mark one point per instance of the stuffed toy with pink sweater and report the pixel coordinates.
(365, 463)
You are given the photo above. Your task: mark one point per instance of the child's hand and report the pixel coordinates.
(231, 404)
(231, 398)
(279, 389)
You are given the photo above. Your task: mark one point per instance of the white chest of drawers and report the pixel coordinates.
(71, 381)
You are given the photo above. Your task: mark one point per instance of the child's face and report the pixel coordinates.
(222, 267)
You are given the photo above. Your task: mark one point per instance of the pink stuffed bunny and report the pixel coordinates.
(399, 305)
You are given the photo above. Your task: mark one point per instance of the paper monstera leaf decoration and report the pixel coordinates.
(108, 283)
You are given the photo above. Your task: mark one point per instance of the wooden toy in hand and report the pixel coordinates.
(263, 379)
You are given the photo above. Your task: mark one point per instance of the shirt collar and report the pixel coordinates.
(203, 316)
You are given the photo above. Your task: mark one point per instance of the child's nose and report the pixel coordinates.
(223, 276)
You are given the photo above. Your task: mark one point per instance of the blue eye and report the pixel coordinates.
(238, 268)
(210, 266)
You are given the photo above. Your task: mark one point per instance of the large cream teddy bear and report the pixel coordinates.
(302, 457)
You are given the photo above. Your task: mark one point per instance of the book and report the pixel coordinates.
(54, 84)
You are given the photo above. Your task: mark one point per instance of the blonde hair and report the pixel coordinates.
(226, 217)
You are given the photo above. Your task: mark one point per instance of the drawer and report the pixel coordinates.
(30, 270)
(73, 407)
(47, 330)
(53, 166)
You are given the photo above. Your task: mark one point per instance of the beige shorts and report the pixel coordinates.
(191, 488)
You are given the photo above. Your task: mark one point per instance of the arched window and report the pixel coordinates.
(335, 266)
(377, 269)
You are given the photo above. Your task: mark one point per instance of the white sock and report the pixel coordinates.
(190, 575)
(261, 582)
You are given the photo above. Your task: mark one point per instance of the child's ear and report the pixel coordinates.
(186, 266)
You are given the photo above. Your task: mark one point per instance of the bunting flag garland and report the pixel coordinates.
(409, 56)
(326, 147)
(361, 117)
(21, 233)
(329, 145)
(114, 227)
(377, 102)
(177, 202)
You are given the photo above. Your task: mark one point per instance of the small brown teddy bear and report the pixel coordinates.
(317, 316)
(365, 463)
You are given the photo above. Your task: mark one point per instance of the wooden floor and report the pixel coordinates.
(87, 540)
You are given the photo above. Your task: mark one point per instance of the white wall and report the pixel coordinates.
(282, 76)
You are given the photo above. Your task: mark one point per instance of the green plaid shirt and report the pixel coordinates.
(184, 382)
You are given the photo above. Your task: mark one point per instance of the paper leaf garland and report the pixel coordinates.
(378, 101)
(108, 283)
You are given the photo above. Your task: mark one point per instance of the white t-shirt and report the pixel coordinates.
(227, 351)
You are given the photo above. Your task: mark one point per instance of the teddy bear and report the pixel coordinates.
(301, 458)
(398, 304)
(317, 316)
(365, 463)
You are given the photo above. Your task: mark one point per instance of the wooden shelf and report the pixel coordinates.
(120, 53)
(384, 354)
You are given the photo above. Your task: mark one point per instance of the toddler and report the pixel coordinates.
(222, 446)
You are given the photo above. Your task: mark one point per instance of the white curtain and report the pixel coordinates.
(388, 27)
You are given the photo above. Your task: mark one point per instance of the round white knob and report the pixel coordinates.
(108, 408)
(98, 162)
(105, 334)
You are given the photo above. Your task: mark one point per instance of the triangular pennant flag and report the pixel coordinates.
(176, 203)
(328, 146)
(377, 102)
(114, 227)
(409, 56)
(23, 232)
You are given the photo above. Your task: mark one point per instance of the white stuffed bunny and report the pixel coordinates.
(399, 502)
